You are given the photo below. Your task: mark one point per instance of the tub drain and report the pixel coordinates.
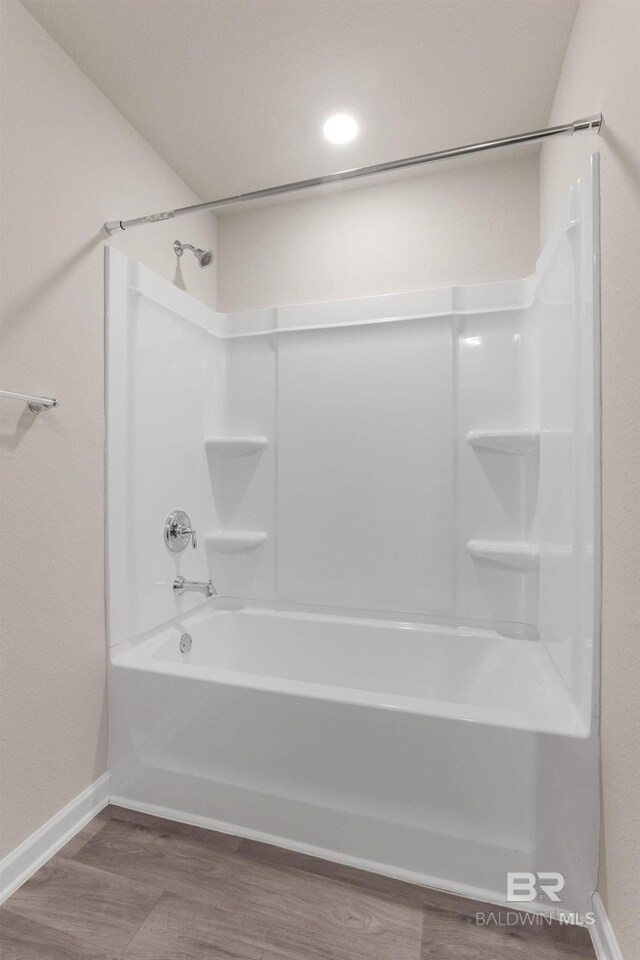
(185, 643)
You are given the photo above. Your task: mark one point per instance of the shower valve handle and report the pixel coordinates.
(185, 531)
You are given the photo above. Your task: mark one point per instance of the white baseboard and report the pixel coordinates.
(33, 852)
(604, 939)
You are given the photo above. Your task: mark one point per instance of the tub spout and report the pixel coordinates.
(180, 586)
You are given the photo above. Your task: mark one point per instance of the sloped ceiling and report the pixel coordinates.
(232, 93)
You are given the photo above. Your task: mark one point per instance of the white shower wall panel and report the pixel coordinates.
(365, 480)
(244, 487)
(567, 516)
(162, 364)
(495, 493)
(555, 522)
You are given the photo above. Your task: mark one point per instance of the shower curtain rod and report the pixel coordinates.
(585, 125)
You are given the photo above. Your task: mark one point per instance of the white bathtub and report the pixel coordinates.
(418, 750)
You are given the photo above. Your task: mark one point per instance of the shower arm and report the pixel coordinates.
(585, 125)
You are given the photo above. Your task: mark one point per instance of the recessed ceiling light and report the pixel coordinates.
(340, 128)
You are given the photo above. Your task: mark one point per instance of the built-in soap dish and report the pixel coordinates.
(518, 442)
(235, 446)
(514, 554)
(235, 541)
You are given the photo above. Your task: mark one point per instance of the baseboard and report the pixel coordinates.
(33, 852)
(604, 939)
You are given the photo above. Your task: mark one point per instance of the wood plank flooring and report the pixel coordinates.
(134, 887)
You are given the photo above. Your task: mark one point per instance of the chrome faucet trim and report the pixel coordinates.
(178, 530)
(180, 586)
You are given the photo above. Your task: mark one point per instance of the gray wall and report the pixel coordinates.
(69, 161)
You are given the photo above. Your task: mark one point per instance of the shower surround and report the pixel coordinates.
(396, 498)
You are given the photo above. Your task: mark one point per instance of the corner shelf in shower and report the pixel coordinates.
(514, 554)
(235, 541)
(235, 446)
(518, 442)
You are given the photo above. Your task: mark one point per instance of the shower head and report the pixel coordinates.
(204, 257)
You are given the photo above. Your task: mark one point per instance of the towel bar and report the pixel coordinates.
(35, 404)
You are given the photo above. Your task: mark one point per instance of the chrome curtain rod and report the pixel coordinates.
(585, 125)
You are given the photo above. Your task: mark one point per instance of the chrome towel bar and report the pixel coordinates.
(35, 404)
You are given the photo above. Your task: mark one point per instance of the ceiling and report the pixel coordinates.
(232, 93)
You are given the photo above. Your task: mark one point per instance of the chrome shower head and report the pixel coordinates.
(204, 257)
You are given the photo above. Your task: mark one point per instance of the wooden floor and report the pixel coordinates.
(133, 887)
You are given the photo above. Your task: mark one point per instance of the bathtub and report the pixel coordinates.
(429, 752)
